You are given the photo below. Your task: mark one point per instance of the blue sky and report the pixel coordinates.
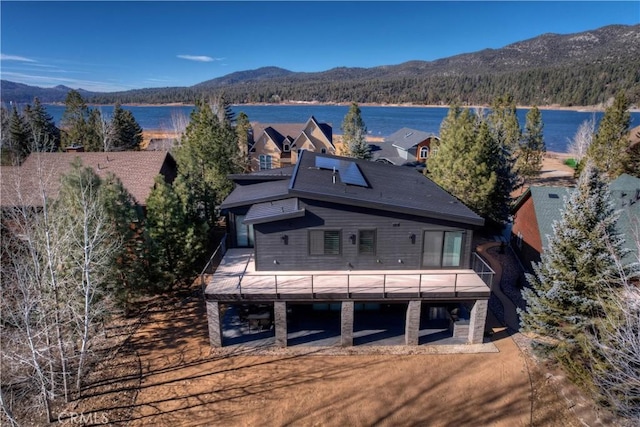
(121, 45)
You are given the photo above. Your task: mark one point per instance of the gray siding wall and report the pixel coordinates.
(393, 233)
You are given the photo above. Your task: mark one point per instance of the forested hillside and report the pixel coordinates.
(577, 69)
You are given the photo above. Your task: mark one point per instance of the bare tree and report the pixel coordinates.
(179, 123)
(616, 348)
(105, 130)
(55, 260)
(579, 145)
(91, 250)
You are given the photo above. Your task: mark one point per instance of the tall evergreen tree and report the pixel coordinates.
(576, 275)
(471, 164)
(530, 151)
(126, 132)
(74, 122)
(354, 135)
(133, 260)
(504, 122)
(18, 136)
(177, 241)
(44, 134)
(608, 151)
(208, 153)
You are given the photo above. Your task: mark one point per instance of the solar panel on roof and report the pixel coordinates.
(349, 171)
(327, 163)
(352, 175)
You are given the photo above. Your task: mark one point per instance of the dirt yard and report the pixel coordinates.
(167, 376)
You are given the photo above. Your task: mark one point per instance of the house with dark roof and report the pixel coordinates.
(278, 145)
(535, 212)
(406, 147)
(41, 172)
(354, 238)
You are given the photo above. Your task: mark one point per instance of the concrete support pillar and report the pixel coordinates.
(477, 321)
(280, 322)
(412, 326)
(346, 324)
(215, 324)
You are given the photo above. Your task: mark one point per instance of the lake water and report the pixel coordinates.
(559, 125)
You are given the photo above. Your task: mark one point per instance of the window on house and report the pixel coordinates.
(442, 249)
(323, 150)
(286, 148)
(265, 162)
(324, 242)
(367, 242)
(424, 152)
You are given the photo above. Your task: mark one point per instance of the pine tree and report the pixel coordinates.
(44, 134)
(93, 137)
(354, 132)
(504, 122)
(133, 260)
(576, 275)
(471, 164)
(18, 136)
(208, 153)
(530, 151)
(176, 240)
(608, 151)
(126, 132)
(74, 122)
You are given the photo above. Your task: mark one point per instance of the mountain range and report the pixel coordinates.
(574, 69)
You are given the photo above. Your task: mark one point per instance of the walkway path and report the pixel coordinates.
(511, 318)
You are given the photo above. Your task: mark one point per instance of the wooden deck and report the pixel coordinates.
(236, 279)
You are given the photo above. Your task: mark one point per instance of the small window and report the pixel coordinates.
(324, 242)
(424, 152)
(323, 150)
(367, 242)
(286, 148)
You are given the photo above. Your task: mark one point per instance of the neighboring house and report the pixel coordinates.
(539, 207)
(274, 146)
(406, 147)
(348, 234)
(41, 172)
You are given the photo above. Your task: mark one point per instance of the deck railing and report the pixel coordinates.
(214, 261)
(483, 269)
(385, 290)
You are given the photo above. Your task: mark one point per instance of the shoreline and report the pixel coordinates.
(551, 107)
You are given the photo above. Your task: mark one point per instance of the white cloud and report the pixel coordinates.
(199, 58)
(5, 57)
(48, 81)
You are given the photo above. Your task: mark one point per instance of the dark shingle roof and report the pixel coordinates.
(389, 188)
(136, 169)
(406, 138)
(244, 195)
(274, 211)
